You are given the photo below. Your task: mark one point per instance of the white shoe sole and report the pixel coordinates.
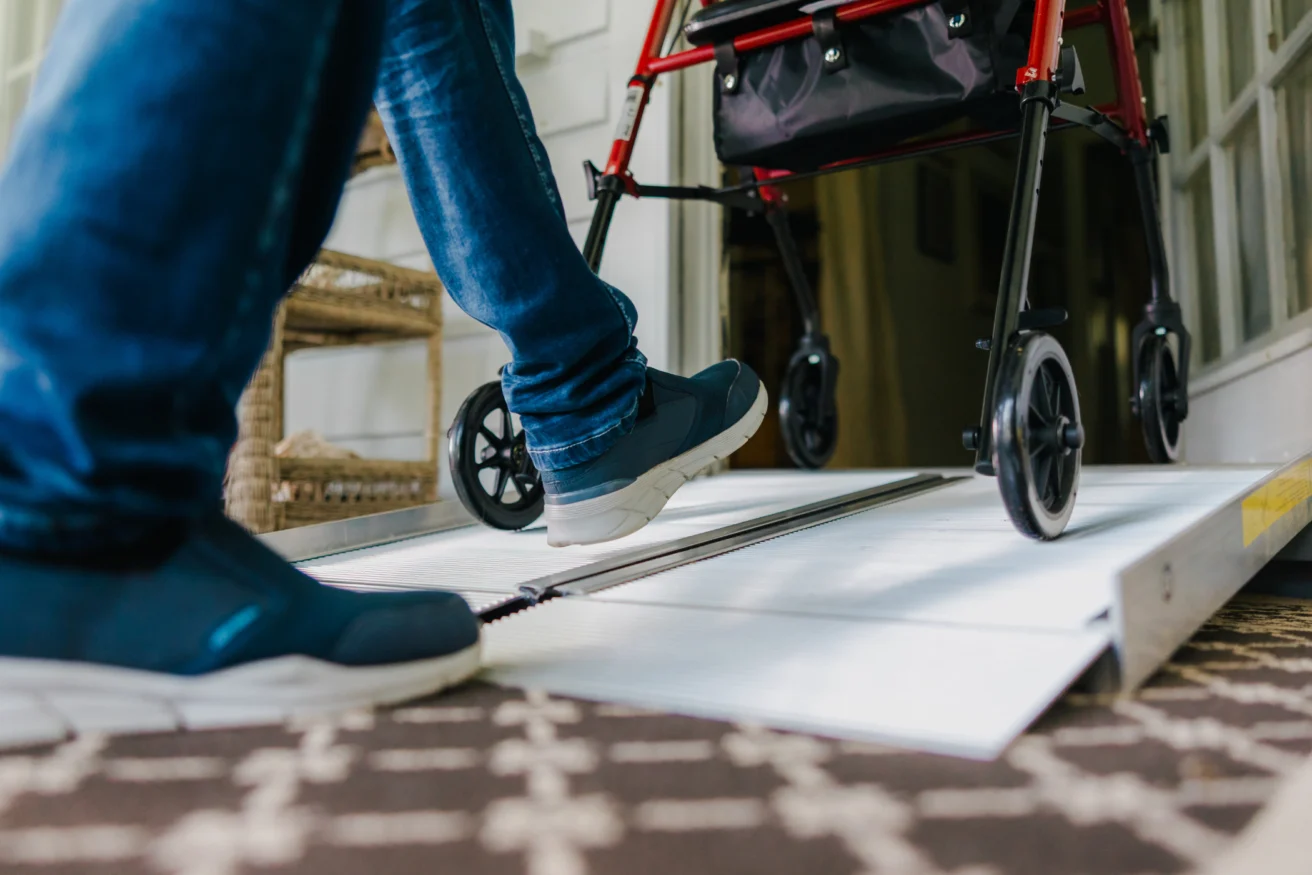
(48, 700)
(621, 513)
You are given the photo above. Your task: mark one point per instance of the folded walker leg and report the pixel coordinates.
(808, 413)
(1030, 434)
(1161, 370)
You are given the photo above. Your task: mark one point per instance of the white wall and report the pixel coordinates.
(1256, 409)
(372, 399)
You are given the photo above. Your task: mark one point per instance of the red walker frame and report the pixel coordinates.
(1050, 20)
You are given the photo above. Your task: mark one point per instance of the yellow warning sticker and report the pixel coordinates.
(1271, 501)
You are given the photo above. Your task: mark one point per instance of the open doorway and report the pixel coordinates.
(906, 258)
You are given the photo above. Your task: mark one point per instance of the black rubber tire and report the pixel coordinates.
(1159, 382)
(809, 436)
(1035, 422)
(505, 453)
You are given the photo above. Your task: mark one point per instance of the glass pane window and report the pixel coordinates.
(1239, 44)
(1196, 73)
(1291, 13)
(1250, 227)
(1199, 192)
(1296, 111)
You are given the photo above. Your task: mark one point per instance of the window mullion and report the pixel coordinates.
(1224, 238)
(21, 69)
(1168, 164)
(1290, 50)
(1231, 116)
(35, 35)
(1275, 198)
(1213, 54)
(1226, 242)
(1176, 216)
(1186, 163)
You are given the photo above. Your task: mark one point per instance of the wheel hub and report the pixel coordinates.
(1072, 436)
(1064, 435)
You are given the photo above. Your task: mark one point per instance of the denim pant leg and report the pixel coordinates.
(491, 217)
(146, 215)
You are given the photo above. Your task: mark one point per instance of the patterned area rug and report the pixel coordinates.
(499, 781)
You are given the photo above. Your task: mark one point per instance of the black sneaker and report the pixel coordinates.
(219, 631)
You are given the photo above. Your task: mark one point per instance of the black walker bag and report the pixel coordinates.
(850, 89)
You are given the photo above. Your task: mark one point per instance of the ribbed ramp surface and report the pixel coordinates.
(926, 623)
(485, 565)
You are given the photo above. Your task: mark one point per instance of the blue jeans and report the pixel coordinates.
(179, 164)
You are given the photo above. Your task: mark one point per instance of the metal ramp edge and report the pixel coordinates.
(1164, 597)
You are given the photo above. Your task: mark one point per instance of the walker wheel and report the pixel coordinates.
(490, 465)
(1037, 436)
(1159, 387)
(810, 434)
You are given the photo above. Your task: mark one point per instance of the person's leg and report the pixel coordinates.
(177, 164)
(487, 205)
(486, 201)
(144, 216)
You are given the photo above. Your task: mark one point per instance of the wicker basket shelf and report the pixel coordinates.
(323, 490)
(341, 300)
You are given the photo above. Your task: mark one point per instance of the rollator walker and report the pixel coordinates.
(810, 87)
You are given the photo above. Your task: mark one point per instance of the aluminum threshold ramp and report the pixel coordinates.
(891, 607)
(490, 567)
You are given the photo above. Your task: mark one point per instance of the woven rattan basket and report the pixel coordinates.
(341, 300)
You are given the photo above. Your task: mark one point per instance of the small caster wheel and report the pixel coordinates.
(810, 434)
(1037, 436)
(490, 465)
(1158, 389)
